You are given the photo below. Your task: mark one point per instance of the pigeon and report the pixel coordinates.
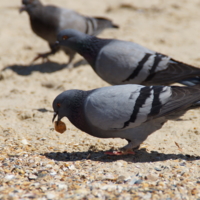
(47, 21)
(121, 62)
(130, 112)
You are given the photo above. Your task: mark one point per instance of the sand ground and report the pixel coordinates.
(27, 91)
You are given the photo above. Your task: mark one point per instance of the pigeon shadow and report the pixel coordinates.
(140, 156)
(43, 110)
(47, 67)
(26, 70)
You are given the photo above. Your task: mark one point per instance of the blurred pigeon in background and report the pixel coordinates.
(130, 112)
(47, 21)
(123, 62)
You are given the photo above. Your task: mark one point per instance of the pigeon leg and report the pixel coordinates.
(44, 57)
(71, 55)
(128, 149)
(54, 48)
(119, 153)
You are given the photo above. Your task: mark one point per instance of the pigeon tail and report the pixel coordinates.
(190, 81)
(103, 23)
(115, 26)
(176, 72)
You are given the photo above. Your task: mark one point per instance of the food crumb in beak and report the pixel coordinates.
(60, 126)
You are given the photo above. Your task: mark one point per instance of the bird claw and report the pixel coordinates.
(119, 153)
(44, 57)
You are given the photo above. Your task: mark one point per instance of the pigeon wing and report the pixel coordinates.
(121, 62)
(125, 106)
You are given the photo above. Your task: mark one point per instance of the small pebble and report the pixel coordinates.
(9, 177)
(32, 177)
(157, 169)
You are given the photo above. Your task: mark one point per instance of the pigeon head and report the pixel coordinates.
(28, 5)
(70, 38)
(62, 104)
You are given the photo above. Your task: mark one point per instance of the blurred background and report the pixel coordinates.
(170, 27)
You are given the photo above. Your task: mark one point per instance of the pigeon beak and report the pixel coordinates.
(23, 8)
(54, 116)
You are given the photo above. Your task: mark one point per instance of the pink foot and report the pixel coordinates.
(119, 153)
(44, 57)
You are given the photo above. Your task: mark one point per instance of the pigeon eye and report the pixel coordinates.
(64, 37)
(58, 105)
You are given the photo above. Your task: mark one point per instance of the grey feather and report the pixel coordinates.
(130, 112)
(121, 62)
(47, 21)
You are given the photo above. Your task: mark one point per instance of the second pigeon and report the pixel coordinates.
(121, 62)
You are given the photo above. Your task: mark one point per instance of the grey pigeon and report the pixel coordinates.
(123, 62)
(47, 21)
(130, 112)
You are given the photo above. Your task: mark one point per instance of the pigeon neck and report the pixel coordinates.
(76, 113)
(90, 48)
(36, 11)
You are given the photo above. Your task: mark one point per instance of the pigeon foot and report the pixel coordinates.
(119, 153)
(44, 57)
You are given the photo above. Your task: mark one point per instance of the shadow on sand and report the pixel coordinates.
(140, 156)
(48, 67)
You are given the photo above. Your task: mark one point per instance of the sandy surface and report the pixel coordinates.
(27, 92)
